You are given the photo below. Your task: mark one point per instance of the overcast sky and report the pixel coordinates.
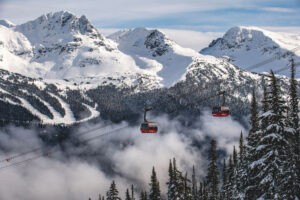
(197, 15)
(184, 21)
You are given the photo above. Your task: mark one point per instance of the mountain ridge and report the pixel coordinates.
(247, 46)
(140, 67)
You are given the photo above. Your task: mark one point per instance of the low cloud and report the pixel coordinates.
(125, 156)
(192, 39)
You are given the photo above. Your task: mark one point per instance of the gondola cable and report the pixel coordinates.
(251, 67)
(40, 148)
(55, 150)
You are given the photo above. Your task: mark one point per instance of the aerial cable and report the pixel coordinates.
(40, 148)
(98, 136)
(55, 150)
(257, 65)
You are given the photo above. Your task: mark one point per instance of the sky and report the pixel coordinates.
(197, 15)
(184, 20)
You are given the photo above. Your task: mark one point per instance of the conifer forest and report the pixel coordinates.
(265, 165)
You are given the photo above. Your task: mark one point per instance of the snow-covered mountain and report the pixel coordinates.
(154, 51)
(247, 46)
(58, 68)
(61, 45)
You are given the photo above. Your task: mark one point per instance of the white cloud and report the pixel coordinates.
(285, 29)
(127, 154)
(117, 11)
(278, 9)
(192, 39)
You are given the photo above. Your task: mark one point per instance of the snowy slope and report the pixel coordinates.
(60, 45)
(70, 73)
(154, 51)
(6, 23)
(247, 46)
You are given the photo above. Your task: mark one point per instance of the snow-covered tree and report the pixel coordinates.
(132, 192)
(203, 193)
(144, 195)
(293, 121)
(241, 171)
(194, 185)
(187, 189)
(249, 185)
(176, 183)
(154, 187)
(127, 195)
(112, 193)
(272, 151)
(213, 172)
(224, 189)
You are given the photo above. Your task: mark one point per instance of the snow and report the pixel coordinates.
(170, 66)
(69, 116)
(6, 23)
(93, 111)
(45, 119)
(70, 53)
(59, 46)
(246, 46)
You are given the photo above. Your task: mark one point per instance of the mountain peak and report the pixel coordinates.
(237, 36)
(153, 40)
(60, 22)
(246, 46)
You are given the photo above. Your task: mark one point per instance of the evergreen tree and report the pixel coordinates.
(234, 175)
(127, 195)
(132, 192)
(241, 171)
(249, 185)
(112, 193)
(294, 102)
(212, 172)
(187, 189)
(143, 195)
(235, 157)
(254, 121)
(224, 192)
(194, 185)
(203, 193)
(242, 148)
(272, 150)
(293, 121)
(230, 178)
(101, 197)
(200, 192)
(154, 187)
(171, 183)
(176, 187)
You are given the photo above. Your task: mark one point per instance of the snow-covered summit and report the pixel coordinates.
(60, 45)
(246, 46)
(154, 51)
(58, 25)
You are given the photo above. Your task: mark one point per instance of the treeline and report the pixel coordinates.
(265, 167)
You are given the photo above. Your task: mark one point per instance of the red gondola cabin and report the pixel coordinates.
(149, 127)
(221, 111)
